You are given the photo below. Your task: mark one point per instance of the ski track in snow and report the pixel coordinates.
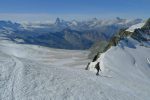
(29, 72)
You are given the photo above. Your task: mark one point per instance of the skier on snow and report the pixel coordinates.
(97, 66)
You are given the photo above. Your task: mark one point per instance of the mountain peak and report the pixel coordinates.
(58, 21)
(119, 19)
(95, 19)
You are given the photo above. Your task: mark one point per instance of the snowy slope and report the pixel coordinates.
(29, 72)
(133, 27)
(129, 64)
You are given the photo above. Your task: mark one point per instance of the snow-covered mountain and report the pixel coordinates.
(8, 25)
(93, 24)
(64, 34)
(127, 58)
(136, 35)
(135, 31)
(31, 72)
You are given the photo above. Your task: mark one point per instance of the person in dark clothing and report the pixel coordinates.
(97, 66)
(87, 66)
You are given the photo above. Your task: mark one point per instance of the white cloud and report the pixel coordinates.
(25, 17)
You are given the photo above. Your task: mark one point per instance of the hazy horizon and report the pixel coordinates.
(51, 18)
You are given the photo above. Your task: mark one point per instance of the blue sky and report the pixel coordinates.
(72, 9)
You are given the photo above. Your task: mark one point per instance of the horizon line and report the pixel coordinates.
(33, 17)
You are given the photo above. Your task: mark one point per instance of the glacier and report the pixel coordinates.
(30, 72)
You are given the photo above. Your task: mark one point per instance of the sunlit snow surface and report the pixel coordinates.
(133, 27)
(29, 72)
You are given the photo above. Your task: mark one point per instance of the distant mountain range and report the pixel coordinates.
(64, 34)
